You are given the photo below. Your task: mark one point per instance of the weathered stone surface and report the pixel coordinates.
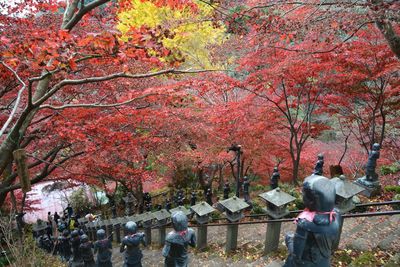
(360, 244)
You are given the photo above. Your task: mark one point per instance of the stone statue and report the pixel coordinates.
(64, 246)
(131, 246)
(370, 181)
(275, 178)
(177, 241)
(148, 206)
(317, 226)
(180, 198)
(129, 203)
(209, 197)
(168, 204)
(86, 251)
(373, 156)
(319, 166)
(103, 248)
(227, 189)
(193, 198)
(246, 189)
(76, 253)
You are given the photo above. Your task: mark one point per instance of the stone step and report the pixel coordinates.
(369, 236)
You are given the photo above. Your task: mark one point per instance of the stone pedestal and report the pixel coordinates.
(147, 232)
(201, 237)
(372, 188)
(117, 233)
(272, 237)
(161, 233)
(231, 237)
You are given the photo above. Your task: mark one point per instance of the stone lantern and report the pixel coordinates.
(181, 208)
(277, 202)
(161, 218)
(345, 191)
(202, 213)
(233, 208)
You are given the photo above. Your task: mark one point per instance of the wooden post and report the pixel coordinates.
(147, 232)
(231, 237)
(22, 170)
(202, 237)
(161, 233)
(272, 237)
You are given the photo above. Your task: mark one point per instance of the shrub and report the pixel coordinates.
(393, 188)
(365, 259)
(390, 169)
(257, 209)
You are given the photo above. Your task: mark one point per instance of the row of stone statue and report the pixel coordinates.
(76, 248)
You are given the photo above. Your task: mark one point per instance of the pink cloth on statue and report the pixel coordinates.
(309, 215)
(183, 233)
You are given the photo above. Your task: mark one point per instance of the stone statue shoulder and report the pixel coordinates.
(320, 224)
(133, 240)
(105, 243)
(176, 238)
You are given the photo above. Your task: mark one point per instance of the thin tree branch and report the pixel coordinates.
(63, 83)
(14, 110)
(94, 105)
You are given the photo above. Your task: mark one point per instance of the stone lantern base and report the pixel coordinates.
(372, 188)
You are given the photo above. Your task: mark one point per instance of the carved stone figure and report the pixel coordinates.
(317, 226)
(148, 206)
(319, 166)
(129, 204)
(86, 251)
(373, 156)
(168, 204)
(103, 248)
(193, 198)
(246, 189)
(227, 189)
(131, 246)
(209, 196)
(76, 253)
(64, 246)
(274, 183)
(177, 242)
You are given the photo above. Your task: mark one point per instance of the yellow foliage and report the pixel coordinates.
(192, 33)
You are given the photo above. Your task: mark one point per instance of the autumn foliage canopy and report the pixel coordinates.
(140, 93)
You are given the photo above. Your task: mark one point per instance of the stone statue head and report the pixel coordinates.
(318, 193)
(179, 221)
(84, 238)
(376, 146)
(131, 227)
(65, 233)
(74, 233)
(101, 234)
